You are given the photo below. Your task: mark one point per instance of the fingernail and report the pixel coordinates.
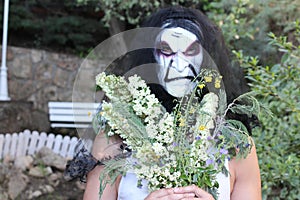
(176, 189)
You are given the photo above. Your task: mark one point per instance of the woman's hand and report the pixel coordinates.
(182, 193)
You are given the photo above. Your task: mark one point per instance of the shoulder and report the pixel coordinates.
(245, 177)
(106, 147)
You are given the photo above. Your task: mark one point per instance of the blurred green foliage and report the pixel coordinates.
(272, 66)
(278, 138)
(135, 11)
(55, 25)
(246, 23)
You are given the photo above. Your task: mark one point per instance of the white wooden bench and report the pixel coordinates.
(71, 114)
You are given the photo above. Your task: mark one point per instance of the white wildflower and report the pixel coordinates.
(115, 87)
(152, 130)
(159, 149)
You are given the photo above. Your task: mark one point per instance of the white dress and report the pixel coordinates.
(128, 189)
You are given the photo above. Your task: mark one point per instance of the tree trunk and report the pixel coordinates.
(117, 26)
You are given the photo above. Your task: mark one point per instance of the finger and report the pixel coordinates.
(168, 194)
(197, 198)
(161, 192)
(192, 188)
(178, 196)
(175, 197)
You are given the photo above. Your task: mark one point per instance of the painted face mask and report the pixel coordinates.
(180, 56)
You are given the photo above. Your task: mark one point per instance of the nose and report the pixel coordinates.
(179, 63)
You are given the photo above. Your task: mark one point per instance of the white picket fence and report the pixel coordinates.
(28, 143)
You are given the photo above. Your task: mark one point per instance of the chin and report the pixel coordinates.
(179, 88)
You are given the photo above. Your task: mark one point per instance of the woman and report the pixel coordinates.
(181, 47)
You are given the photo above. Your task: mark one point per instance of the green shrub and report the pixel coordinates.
(134, 12)
(245, 23)
(278, 138)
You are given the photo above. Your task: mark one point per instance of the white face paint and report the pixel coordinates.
(180, 56)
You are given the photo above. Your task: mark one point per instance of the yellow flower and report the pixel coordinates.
(202, 128)
(192, 110)
(208, 79)
(181, 122)
(201, 86)
(217, 83)
(89, 113)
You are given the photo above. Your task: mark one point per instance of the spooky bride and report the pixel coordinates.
(176, 127)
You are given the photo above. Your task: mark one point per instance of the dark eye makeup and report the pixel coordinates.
(193, 49)
(165, 49)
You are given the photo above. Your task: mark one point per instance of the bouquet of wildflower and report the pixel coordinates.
(187, 146)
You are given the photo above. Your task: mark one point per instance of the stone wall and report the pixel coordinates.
(37, 76)
(40, 76)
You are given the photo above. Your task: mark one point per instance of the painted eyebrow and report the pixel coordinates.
(162, 42)
(159, 47)
(195, 41)
(165, 42)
